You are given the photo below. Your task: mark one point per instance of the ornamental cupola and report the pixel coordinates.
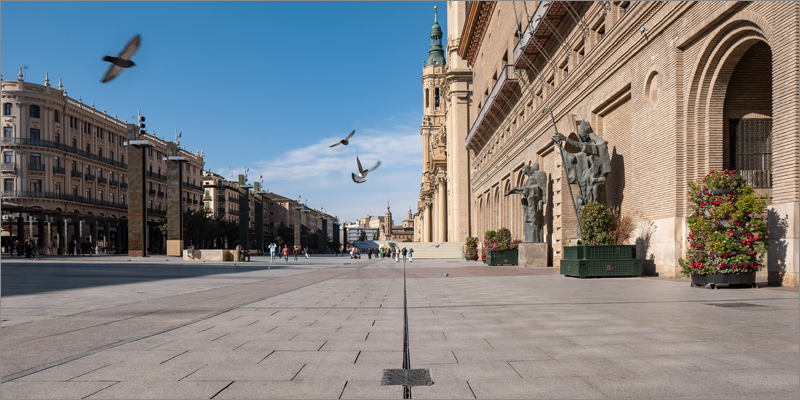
(436, 53)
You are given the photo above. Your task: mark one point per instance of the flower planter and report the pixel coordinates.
(506, 257)
(600, 261)
(711, 281)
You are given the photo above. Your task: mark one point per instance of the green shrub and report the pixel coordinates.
(596, 224)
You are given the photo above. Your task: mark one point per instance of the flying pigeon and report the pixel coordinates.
(346, 140)
(361, 177)
(123, 60)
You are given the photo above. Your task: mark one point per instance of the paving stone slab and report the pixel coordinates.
(245, 389)
(51, 390)
(161, 390)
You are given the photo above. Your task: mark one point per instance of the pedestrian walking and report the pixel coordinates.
(295, 251)
(272, 247)
(18, 247)
(305, 251)
(29, 248)
(352, 251)
(410, 254)
(369, 254)
(404, 254)
(71, 247)
(285, 254)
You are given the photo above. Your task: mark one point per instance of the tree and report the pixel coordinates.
(362, 236)
(284, 236)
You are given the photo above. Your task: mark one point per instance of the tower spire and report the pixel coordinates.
(436, 52)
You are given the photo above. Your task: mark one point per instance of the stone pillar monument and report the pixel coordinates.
(174, 203)
(244, 213)
(258, 215)
(296, 221)
(335, 234)
(137, 199)
(303, 228)
(323, 234)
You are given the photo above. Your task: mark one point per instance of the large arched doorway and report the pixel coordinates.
(747, 118)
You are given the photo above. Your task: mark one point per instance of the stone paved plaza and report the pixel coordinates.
(327, 327)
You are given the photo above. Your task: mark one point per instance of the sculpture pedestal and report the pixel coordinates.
(532, 254)
(175, 248)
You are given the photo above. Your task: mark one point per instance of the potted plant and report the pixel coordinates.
(728, 232)
(471, 250)
(499, 248)
(604, 250)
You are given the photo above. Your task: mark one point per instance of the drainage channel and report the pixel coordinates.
(406, 376)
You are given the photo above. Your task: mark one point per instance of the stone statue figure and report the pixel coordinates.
(534, 199)
(587, 168)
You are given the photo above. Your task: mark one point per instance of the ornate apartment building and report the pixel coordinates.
(677, 89)
(64, 171)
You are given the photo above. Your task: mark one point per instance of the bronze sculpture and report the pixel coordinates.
(534, 199)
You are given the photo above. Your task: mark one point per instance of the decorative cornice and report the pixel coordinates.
(478, 17)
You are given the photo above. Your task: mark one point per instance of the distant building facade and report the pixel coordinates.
(64, 172)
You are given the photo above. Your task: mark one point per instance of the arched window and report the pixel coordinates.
(436, 98)
(34, 111)
(8, 108)
(427, 104)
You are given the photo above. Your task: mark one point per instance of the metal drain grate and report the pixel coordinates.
(407, 377)
(734, 305)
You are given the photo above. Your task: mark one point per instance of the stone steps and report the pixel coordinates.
(430, 251)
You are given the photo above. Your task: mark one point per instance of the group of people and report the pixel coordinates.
(80, 248)
(384, 252)
(285, 252)
(21, 248)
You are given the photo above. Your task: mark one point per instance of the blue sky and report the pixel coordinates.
(269, 85)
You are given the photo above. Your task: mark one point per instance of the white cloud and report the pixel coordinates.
(321, 173)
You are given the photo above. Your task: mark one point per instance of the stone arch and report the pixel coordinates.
(704, 107)
(508, 216)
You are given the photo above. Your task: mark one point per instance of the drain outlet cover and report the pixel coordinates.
(734, 305)
(407, 377)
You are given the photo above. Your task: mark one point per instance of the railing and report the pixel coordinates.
(191, 186)
(77, 174)
(160, 194)
(221, 210)
(102, 180)
(507, 74)
(35, 167)
(194, 201)
(95, 112)
(90, 177)
(123, 185)
(155, 175)
(8, 166)
(60, 170)
(207, 197)
(61, 196)
(152, 192)
(157, 212)
(59, 146)
(113, 183)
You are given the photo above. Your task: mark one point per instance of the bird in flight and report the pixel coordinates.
(344, 141)
(362, 173)
(123, 60)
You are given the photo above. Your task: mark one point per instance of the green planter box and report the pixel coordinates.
(507, 257)
(599, 261)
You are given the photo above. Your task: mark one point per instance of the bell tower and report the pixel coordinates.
(432, 130)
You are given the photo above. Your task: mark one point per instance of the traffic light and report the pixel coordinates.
(141, 125)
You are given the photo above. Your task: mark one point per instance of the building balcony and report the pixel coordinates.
(8, 167)
(113, 183)
(152, 192)
(36, 167)
(497, 105)
(123, 185)
(102, 180)
(156, 176)
(90, 177)
(156, 212)
(16, 141)
(537, 32)
(160, 194)
(61, 196)
(59, 170)
(77, 174)
(194, 201)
